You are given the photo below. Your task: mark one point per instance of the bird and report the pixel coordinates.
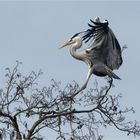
(104, 53)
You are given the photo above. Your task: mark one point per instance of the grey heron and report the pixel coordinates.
(104, 54)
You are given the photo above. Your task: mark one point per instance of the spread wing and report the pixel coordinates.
(105, 45)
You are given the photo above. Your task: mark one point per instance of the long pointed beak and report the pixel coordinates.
(66, 43)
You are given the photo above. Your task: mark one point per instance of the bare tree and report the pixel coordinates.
(26, 110)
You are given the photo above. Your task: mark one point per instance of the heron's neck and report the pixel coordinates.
(74, 52)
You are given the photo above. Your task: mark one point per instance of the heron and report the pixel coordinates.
(104, 53)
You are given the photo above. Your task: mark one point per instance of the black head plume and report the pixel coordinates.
(74, 36)
(77, 34)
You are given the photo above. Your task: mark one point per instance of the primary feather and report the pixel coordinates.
(105, 46)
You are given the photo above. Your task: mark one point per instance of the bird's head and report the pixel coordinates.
(75, 40)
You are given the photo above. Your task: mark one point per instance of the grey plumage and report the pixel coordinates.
(105, 47)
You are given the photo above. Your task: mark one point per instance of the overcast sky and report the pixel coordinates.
(31, 32)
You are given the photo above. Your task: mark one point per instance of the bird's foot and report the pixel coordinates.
(81, 89)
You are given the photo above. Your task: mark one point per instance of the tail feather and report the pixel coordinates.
(115, 76)
(112, 74)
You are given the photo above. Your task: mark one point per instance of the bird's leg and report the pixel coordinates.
(110, 80)
(86, 82)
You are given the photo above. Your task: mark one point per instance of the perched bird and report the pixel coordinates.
(104, 54)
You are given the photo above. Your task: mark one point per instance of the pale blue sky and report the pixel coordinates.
(31, 32)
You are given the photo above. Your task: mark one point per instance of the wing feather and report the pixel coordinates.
(105, 45)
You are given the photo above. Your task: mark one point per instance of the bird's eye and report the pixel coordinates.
(87, 51)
